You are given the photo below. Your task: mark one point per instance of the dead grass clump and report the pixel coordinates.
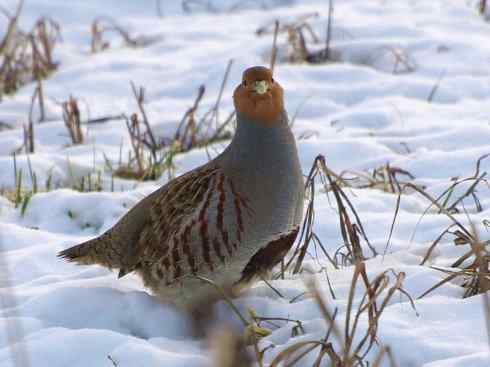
(348, 345)
(351, 228)
(299, 35)
(473, 266)
(151, 156)
(140, 165)
(475, 276)
(103, 25)
(196, 132)
(25, 57)
(386, 178)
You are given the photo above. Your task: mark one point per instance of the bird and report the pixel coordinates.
(226, 223)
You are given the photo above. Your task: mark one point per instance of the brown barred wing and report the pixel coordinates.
(195, 227)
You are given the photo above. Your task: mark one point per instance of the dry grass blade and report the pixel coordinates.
(29, 137)
(139, 95)
(134, 130)
(39, 96)
(468, 192)
(434, 202)
(392, 227)
(187, 130)
(434, 244)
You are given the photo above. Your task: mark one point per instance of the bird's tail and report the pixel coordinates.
(95, 251)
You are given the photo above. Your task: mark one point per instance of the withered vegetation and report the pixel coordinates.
(103, 25)
(351, 227)
(349, 344)
(345, 344)
(299, 34)
(472, 269)
(26, 56)
(151, 155)
(303, 44)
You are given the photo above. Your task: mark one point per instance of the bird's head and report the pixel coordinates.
(259, 97)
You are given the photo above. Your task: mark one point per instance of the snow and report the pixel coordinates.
(357, 113)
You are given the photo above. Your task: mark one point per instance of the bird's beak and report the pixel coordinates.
(261, 86)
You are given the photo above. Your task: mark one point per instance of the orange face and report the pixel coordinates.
(259, 96)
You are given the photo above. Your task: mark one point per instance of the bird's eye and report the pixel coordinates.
(244, 83)
(273, 80)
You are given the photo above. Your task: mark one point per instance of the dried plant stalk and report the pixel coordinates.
(71, 118)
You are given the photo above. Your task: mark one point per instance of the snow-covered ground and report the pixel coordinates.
(357, 113)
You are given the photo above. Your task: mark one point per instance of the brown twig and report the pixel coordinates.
(71, 118)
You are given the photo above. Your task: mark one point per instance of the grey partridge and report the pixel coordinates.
(230, 221)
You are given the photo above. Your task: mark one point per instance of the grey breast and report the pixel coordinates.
(263, 161)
